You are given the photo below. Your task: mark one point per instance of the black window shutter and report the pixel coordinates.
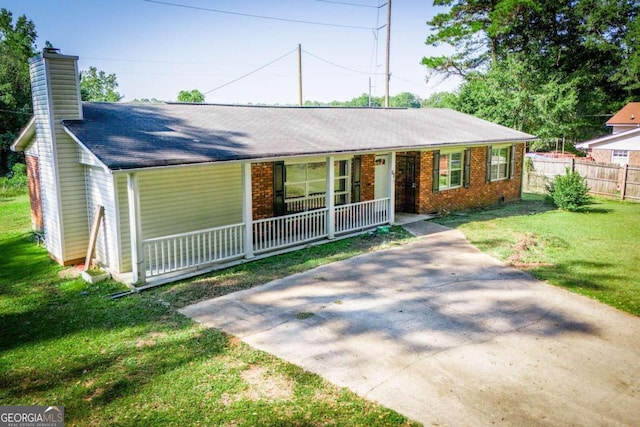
(356, 177)
(489, 163)
(467, 167)
(279, 207)
(512, 164)
(435, 184)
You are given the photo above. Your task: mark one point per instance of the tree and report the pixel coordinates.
(190, 96)
(96, 85)
(441, 100)
(405, 100)
(585, 50)
(513, 94)
(17, 45)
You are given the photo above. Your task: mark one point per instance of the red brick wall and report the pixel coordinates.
(368, 177)
(634, 158)
(33, 176)
(479, 193)
(262, 190)
(601, 156)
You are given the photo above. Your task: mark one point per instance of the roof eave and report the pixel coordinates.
(274, 157)
(607, 138)
(26, 137)
(85, 148)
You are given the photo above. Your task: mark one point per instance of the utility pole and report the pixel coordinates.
(369, 92)
(387, 75)
(300, 74)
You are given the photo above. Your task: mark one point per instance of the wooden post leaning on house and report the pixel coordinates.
(93, 237)
(623, 188)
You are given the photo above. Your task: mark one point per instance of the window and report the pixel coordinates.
(450, 175)
(341, 183)
(620, 157)
(451, 170)
(305, 185)
(499, 163)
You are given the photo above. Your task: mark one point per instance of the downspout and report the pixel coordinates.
(135, 229)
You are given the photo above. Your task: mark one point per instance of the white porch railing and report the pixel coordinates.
(288, 230)
(195, 249)
(358, 216)
(187, 250)
(303, 204)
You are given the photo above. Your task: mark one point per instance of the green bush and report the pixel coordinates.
(15, 183)
(569, 191)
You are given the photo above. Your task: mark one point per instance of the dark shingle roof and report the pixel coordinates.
(128, 136)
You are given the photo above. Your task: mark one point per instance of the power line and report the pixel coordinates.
(251, 72)
(334, 64)
(273, 18)
(151, 61)
(423, 86)
(350, 4)
(15, 112)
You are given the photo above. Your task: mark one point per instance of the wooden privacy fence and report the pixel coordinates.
(604, 179)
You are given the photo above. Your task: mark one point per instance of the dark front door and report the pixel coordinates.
(405, 183)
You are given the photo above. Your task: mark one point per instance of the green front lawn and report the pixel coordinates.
(594, 252)
(137, 361)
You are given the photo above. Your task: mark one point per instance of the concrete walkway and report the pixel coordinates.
(446, 335)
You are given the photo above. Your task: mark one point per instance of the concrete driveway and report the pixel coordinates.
(446, 335)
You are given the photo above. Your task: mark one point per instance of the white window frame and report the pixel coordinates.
(497, 160)
(318, 200)
(620, 157)
(346, 179)
(446, 172)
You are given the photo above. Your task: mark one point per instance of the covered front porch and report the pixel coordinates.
(179, 255)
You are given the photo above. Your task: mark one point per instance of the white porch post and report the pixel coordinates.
(135, 227)
(392, 188)
(247, 210)
(331, 198)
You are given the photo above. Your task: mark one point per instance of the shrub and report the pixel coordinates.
(15, 183)
(569, 191)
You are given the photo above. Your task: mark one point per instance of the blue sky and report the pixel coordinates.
(156, 49)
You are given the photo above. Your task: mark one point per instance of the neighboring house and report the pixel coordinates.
(626, 119)
(185, 188)
(623, 145)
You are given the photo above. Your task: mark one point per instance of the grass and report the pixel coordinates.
(593, 252)
(137, 361)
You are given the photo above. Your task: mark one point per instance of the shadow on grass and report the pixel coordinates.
(113, 374)
(245, 276)
(567, 274)
(23, 261)
(531, 204)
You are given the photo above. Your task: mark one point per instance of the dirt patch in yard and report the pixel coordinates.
(262, 385)
(523, 248)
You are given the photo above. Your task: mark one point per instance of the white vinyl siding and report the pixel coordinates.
(123, 218)
(64, 97)
(100, 192)
(180, 200)
(48, 173)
